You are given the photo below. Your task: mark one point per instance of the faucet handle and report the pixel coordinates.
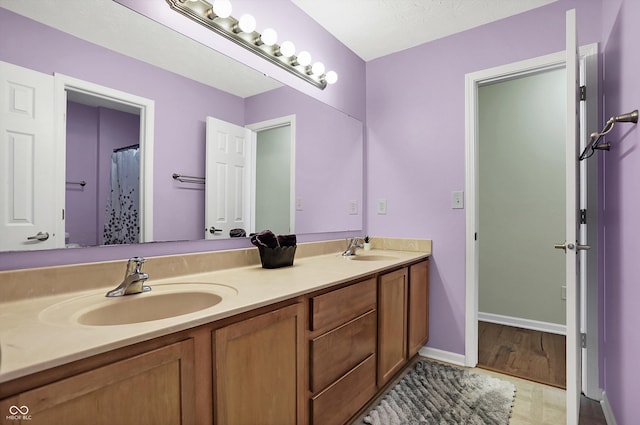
(134, 265)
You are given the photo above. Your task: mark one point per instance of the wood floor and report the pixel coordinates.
(524, 353)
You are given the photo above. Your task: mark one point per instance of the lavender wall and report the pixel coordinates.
(81, 215)
(621, 204)
(416, 140)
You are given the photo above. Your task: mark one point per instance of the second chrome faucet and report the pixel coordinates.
(353, 244)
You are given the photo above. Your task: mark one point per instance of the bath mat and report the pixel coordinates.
(434, 393)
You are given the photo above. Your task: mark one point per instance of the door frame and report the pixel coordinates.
(114, 99)
(288, 120)
(588, 55)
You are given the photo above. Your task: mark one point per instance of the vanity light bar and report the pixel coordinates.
(202, 12)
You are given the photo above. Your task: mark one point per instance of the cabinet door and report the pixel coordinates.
(153, 388)
(418, 331)
(259, 369)
(392, 324)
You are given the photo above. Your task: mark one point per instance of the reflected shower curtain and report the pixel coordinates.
(121, 225)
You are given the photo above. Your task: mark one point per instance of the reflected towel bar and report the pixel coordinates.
(188, 179)
(81, 183)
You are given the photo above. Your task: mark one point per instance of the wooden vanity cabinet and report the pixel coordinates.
(403, 317)
(259, 368)
(154, 388)
(418, 312)
(342, 352)
(317, 360)
(392, 323)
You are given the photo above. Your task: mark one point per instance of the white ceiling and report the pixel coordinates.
(371, 28)
(375, 28)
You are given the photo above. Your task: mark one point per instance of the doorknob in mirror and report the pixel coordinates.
(40, 236)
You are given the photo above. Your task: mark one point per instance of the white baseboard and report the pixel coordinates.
(518, 322)
(606, 409)
(443, 356)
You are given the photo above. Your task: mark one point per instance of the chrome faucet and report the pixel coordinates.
(354, 243)
(133, 282)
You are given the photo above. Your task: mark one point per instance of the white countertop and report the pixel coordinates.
(38, 334)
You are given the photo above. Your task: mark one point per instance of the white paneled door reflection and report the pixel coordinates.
(226, 170)
(28, 208)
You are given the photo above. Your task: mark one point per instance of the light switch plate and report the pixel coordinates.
(353, 207)
(381, 206)
(457, 199)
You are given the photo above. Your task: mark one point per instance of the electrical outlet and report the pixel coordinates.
(563, 293)
(457, 199)
(298, 204)
(353, 207)
(382, 206)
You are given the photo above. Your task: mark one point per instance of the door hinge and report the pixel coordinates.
(583, 340)
(475, 236)
(63, 213)
(583, 216)
(583, 92)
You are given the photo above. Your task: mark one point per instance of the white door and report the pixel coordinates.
(226, 189)
(571, 247)
(30, 218)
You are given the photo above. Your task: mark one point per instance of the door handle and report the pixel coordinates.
(564, 246)
(40, 236)
(213, 230)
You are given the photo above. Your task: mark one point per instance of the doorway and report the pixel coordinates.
(272, 180)
(273, 166)
(588, 72)
(102, 175)
(521, 210)
(69, 89)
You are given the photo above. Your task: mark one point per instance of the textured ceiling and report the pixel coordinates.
(375, 28)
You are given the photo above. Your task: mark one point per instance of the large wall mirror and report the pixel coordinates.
(184, 81)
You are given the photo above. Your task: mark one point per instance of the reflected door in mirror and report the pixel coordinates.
(226, 177)
(31, 212)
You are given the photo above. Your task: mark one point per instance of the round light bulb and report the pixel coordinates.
(331, 77)
(269, 37)
(304, 58)
(222, 8)
(287, 49)
(317, 68)
(247, 23)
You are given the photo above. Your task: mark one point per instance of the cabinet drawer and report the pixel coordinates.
(337, 307)
(342, 400)
(338, 351)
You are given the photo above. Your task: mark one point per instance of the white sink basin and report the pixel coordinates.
(162, 302)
